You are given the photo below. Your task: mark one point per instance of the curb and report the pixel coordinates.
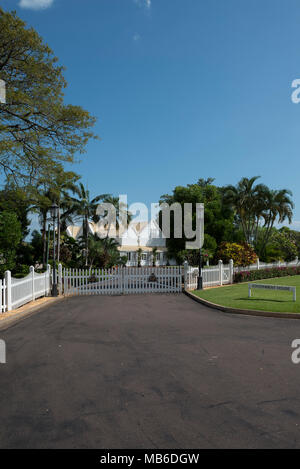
(245, 312)
(30, 311)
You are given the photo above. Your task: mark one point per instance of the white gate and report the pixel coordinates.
(122, 280)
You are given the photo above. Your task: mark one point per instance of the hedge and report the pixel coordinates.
(250, 275)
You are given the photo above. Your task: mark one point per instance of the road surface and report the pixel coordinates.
(148, 371)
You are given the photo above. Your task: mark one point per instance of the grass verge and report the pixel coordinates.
(236, 296)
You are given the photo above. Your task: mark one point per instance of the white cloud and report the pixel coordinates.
(144, 3)
(36, 4)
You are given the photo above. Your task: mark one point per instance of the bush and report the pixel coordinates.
(241, 254)
(252, 275)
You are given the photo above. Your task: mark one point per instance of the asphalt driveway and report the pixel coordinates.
(148, 371)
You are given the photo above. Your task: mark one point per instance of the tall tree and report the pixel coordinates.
(122, 212)
(244, 198)
(62, 183)
(218, 217)
(258, 206)
(37, 129)
(17, 200)
(278, 207)
(41, 203)
(85, 208)
(10, 238)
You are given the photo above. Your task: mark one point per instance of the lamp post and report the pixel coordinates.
(200, 278)
(200, 224)
(54, 213)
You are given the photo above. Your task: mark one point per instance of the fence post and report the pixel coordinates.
(231, 271)
(257, 263)
(8, 290)
(296, 260)
(31, 269)
(49, 278)
(221, 272)
(60, 279)
(185, 267)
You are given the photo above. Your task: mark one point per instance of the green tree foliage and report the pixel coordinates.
(56, 191)
(85, 209)
(16, 199)
(293, 235)
(103, 252)
(37, 129)
(241, 254)
(10, 238)
(218, 217)
(37, 247)
(281, 246)
(256, 206)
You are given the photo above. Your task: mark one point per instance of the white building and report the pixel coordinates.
(142, 239)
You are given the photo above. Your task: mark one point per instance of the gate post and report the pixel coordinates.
(48, 279)
(231, 271)
(59, 279)
(121, 271)
(32, 282)
(221, 272)
(185, 267)
(8, 290)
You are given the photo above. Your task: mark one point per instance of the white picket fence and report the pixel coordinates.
(3, 296)
(16, 292)
(212, 276)
(222, 274)
(262, 265)
(122, 280)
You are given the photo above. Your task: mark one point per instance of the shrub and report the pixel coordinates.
(251, 275)
(241, 254)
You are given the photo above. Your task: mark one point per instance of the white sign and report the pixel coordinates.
(272, 287)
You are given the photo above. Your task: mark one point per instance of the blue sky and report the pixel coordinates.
(182, 89)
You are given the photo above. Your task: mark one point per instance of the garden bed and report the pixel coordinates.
(274, 272)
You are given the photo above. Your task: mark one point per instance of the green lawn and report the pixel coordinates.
(236, 296)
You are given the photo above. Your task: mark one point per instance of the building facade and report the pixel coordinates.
(141, 242)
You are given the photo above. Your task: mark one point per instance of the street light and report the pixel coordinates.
(200, 219)
(200, 277)
(54, 215)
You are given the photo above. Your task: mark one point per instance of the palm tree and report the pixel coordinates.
(257, 205)
(61, 184)
(278, 206)
(246, 198)
(103, 252)
(40, 204)
(122, 214)
(49, 191)
(96, 249)
(85, 208)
